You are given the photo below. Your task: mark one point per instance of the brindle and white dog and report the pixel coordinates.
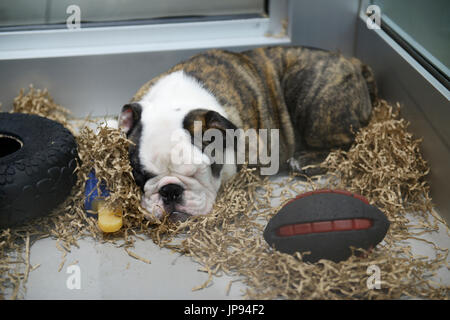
(317, 99)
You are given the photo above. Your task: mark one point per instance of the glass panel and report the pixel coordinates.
(425, 25)
(45, 12)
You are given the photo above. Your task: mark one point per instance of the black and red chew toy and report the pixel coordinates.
(326, 223)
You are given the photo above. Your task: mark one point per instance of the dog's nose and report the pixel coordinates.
(171, 193)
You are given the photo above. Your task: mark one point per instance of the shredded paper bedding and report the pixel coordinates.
(384, 165)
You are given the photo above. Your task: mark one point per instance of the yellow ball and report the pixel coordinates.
(109, 220)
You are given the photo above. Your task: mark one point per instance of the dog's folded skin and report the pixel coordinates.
(316, 99)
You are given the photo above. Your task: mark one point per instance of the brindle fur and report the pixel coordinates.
(318, 99)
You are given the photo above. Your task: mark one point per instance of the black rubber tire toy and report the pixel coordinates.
(38, 158)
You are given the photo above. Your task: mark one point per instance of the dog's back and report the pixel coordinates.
(317, 99)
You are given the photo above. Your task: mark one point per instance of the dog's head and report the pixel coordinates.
(169, 163)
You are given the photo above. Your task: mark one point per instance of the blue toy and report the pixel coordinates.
(91, 193)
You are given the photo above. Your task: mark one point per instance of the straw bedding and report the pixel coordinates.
(384, 165)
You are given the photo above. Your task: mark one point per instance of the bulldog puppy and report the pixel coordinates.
(314, 100)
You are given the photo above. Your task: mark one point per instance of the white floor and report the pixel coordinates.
(108, 272)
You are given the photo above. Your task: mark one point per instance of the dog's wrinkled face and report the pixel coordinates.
(176, 177)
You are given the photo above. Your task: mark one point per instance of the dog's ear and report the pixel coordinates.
(129, 117)
(214, 120)
(209, 120)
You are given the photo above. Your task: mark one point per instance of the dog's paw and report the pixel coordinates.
(304, 165)
(294, 165)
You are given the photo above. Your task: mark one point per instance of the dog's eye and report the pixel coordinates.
(215, 169)
(149, 175)
(141, 177)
